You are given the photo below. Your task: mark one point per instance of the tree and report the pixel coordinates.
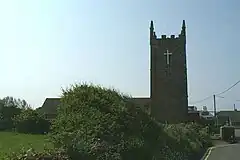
(99, 123)
(9, 108)
(30, 121)
(6, 115)
(18, 103)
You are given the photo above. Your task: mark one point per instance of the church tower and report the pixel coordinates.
(168, 76)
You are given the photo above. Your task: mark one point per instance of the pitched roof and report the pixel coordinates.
(234, 115)
(141, 101)
(50, 105)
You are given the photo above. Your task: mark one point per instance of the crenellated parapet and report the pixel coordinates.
(153, 37)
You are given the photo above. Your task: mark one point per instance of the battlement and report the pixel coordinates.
(181, 36)
(164, 37)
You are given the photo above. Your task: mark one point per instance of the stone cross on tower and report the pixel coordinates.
(168, 54)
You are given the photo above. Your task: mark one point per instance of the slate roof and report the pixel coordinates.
(234, 115)
(50, 106)
(142, 101)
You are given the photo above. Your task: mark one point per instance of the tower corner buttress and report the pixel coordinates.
(152, 33)
(183, 31)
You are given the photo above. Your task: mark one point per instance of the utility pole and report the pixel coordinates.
(215, 110)
(214, 105)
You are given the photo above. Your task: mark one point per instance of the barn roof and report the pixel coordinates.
(50, 106)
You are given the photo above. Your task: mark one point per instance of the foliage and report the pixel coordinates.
(30, 121)
(31, 154)
(94, 122)
(9, 108)
(13, 102)
(191, 137)
(6, 116)
(214, 129)
(99, 123)
(206, 122)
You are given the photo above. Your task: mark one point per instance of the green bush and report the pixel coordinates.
(99, 123)
(213, 129)
(31, 154)
(9, 108)
(191, 137)
(7, 113)
(30, 121)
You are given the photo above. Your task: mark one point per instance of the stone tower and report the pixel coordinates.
(168, 77)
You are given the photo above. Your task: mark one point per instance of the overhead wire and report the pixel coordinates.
(228, 89)
(202, 100)
(218, 95)
(237, 100)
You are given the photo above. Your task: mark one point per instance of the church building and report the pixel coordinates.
(168, 101)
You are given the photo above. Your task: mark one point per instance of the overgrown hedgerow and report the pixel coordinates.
(96, 123)
(99, 123)
(191, 137)
(30, 121)
(31, 154)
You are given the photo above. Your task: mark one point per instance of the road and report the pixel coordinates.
(226, 152)
(237, 133)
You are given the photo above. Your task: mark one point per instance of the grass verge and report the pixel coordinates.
(13, 142)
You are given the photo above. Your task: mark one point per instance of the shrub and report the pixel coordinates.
(7, 113)
(192, 138)
(9, 108)
(31, 154)
(99, 123)
(30, 121)
(214, 129)
(95, 123)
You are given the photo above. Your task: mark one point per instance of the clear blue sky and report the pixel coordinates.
(49, 44)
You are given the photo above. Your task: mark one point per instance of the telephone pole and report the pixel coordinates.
(215, 110)
(214, 105)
